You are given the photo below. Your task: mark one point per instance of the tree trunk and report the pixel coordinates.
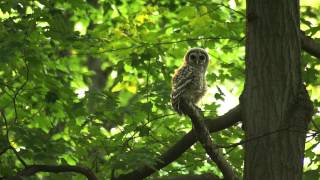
(275, 106)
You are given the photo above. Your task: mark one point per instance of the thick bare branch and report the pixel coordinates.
(309, 45)
(213, 124)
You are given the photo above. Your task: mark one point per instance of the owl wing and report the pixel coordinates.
(183, 78)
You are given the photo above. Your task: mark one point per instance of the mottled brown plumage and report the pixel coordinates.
(189, 82)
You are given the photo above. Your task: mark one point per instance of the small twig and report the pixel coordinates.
(315, 125)
(6, 125)
(8, 140)
(16, 93)
(230, 150)
(18, 156)
(6, 86)
(262, 136)
(148, 89)
(236, 11)
(4, 150)
(252, 139)
(160, 43)
(113, 171)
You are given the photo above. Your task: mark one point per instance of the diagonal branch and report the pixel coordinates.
(203, 135)
(309, 45)
(213, 124)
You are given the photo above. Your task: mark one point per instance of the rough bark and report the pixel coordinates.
(274, 99)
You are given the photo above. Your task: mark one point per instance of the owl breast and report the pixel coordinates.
(197, 88)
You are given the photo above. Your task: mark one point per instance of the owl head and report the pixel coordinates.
(197, 57)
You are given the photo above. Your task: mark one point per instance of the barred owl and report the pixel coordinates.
(189, 82)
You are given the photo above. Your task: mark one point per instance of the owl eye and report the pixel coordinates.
(202, 57)
(192, 57)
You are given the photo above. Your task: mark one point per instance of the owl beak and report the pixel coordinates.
(197, 61)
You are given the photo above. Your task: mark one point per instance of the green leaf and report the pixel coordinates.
(311, 175)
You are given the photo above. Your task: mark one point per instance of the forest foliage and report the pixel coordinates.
(88, 83)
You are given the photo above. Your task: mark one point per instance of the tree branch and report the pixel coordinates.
(16, 93)
(213, 124)
(8, 140)
(309, 45)
(203, 135)
(4, 150)
(33, 169)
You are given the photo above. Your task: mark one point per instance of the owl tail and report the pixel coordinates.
(177, 106)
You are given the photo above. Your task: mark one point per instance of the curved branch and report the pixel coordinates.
(213, 124)
(203, 136)
(33, 169)
(309, 45)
